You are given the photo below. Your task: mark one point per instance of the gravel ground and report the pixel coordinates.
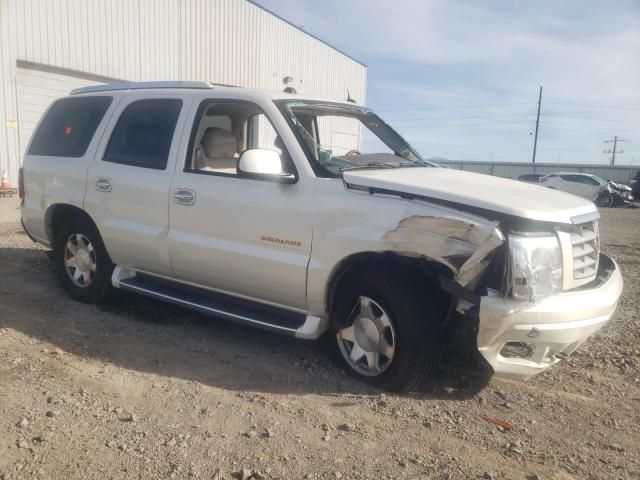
(140, 389)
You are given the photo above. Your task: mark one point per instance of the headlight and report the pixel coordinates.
(536, 266)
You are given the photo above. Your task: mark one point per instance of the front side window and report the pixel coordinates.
(223, 130)
(593, 181)
(569, 178)
(68, 126)
(341, 137)
(144, 132)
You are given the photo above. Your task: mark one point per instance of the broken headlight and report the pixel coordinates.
(536, 266)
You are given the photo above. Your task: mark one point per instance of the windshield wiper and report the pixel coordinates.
(370, 165)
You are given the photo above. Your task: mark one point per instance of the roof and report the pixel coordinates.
(108, 87)
(253, 2)
(199, 86)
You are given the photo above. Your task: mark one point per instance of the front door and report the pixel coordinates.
(247, 237)
(128, 182)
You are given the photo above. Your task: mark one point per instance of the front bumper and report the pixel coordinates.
(549, 330)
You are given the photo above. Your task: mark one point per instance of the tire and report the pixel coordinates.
(414, 332)
(606, 200)
(86, 274)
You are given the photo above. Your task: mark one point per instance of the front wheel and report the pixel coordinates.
(606, 200)
(82, 262)
(385, 333)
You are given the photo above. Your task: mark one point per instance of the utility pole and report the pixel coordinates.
(535, 139)
(613, 152)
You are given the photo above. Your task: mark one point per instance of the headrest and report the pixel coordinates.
(217, 142)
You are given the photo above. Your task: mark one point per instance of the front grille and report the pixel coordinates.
(585, 245)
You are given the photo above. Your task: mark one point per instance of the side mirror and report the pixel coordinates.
(263, 164)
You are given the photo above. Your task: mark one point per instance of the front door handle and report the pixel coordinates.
(184, 196)
(103, 184)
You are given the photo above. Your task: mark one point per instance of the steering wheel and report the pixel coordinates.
(352, 152)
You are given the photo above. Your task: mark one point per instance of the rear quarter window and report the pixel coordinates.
(68, 126)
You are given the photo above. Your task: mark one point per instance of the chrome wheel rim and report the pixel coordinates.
(79, 260)
(368, 340)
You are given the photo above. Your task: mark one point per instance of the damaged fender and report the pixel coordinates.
(444, 238)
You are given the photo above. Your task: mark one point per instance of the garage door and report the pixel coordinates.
(37, 89)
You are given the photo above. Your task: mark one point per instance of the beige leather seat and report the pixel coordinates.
(217, 151)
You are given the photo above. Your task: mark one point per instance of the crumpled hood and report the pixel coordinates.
(497, 194)
(620, 186)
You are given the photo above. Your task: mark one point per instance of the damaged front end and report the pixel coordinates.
(539, 297)
(531, 292)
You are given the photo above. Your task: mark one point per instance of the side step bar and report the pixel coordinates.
(239, 310)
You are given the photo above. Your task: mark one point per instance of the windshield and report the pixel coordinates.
(341, 137)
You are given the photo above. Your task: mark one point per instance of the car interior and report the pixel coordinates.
(225, 130)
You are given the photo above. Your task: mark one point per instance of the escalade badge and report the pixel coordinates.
(281, 241)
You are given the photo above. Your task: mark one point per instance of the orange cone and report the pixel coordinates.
(5, 180)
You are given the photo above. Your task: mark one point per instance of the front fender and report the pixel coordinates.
(460, 241)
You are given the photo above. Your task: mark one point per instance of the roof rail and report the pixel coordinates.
(140, 85)
(215, 84)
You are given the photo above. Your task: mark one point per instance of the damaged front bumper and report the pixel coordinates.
(520, 340)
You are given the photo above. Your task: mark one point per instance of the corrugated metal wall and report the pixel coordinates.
(621, 174)
(224, 41)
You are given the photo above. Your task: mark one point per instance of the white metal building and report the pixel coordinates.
(49, 47)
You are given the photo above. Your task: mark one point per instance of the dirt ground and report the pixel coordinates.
(140, 389)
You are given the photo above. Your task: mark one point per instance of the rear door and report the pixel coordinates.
(128, 182)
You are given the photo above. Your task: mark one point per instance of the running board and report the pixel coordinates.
(239, 310)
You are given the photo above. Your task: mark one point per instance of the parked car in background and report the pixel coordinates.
(531, 177)
(603, 193)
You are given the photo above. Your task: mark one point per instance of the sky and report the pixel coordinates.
(460, 79)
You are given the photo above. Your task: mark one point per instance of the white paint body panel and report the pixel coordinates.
(482, 191)
(219, 241)
(562, 323)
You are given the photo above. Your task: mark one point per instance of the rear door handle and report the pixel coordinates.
(184, 196)
(103, 184)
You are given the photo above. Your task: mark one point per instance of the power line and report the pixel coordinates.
(559, 115)
(426, 109)
(588, 126)
(454, 107)
(595, 105)
(486, 124)
(475, 117)
(498, 147)
(514, 115)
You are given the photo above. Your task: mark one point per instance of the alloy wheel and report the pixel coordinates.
(80, 260)
(368, 340)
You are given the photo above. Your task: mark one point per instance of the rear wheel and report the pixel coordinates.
(386, 333)
(83, 265)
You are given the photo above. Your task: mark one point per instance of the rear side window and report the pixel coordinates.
(68, 126)
(142, 137)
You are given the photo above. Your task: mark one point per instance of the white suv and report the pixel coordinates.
(309, 218)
